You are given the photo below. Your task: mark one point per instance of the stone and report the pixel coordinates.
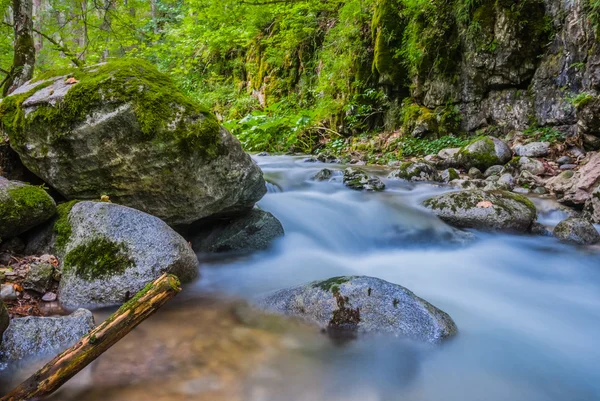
(540, 191)
(178, 165)
(327, 158)
(4, 319)
(447, 153)
(493, 170)
(22, 207)
(361, 181)
(576, 231)
(43, 337)
(490, 211)
(475, 173)
(449, 174)
(49, 297)
(39, 277)
(564, 160)
(504, 183)
(484, 152)
(533, 149)
(416, 171)
(254, 231)
(575, 188)
(592, 206)
(262, 154)
(540, 229)
(113, 251)
(358, 305)
(534, 166)
(323, 175)
(565, 167)
(7, 292)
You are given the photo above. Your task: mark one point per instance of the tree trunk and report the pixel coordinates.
(24, 53)
(56, 372)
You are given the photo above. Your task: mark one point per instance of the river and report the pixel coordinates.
(527, 309)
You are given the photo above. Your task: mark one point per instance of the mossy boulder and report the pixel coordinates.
(32, 337)
(357, 304)
(22, 207)
(359, 180)
(124, 130)
(254, 231)
(416, 171)
(483, 210)
(484, 152)
(113, 251)
(576, 231)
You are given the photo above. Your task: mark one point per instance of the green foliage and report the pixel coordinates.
(544, 134)
(581, 99)
(98, 258)
(593, 12)
(62, 227)
(422, 147)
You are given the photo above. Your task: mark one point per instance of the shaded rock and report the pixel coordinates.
(14, 246)
(534, 166)
(416, 171)
(540, 191)
(495, 211)
(179, 164)
(49, 297)
(565, 167)
(359, 180)
(30, 337)
(493, 170)
(327, 158)
(39, 277)
(564, 160)
(448, 153)
(22, 207)
(576, 231)
(540, 229)
(357, 304)
(4, 319)
(112, 251)
(592, 206)
(591, 142)
(252, 232)
(475, 173)
(533, 149)
(7, 292)
(323, 175)
(528, 180)
(483, 153)
(449, 174)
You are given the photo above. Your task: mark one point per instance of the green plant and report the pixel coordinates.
(580, 100)
(544, 134)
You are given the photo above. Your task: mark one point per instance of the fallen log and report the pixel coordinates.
(64, 366)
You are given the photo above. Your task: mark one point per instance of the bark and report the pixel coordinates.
(56, 372)
(24, 53)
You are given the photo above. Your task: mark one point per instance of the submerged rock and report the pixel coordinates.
(113, 251)
(323, 175)
(177, 164)
(416, 171)
(576, 231)
(357, 304)
(43, 336)
(359, 180)
(22, 207)
(483, 153)
(495, 210)
(254, 231)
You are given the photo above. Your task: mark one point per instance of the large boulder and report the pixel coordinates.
(576, 231)
(358, 304)
(29, 337)
(484, 152)
(493, 211)
(22, 207)
(254, 231)
(111, 252)
(416, 171)
(124, 130)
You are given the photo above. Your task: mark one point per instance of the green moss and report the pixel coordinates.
(484, 157)
(332, 284)
(62, 227)
(24, 203)
(98, 258)
(517, 198)
(161, 110)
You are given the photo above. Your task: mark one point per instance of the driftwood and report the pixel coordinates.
(56, 372)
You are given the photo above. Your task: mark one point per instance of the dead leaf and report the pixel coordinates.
(485, 204)
(17, 287)
(71, 81)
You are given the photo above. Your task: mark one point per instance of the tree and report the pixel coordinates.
(24, 47)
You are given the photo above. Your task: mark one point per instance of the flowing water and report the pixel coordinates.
(527, 309)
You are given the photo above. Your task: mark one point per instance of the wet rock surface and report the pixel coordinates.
(576, 231)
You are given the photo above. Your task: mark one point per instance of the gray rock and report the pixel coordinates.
(493, 170)
(30, 337)
(534, 166)
(7, 292)
(358, 304)
(359, 180)
(483, 153)
(252, 232)
(416, 171)
(449, 174)
(4, 319)
(592, 206)
(568, 167)
(540, 229)
(503, 183)
(262, 154)
(447, 153)
(575, 188)
(564, 160)
(493, 211)
(49, 297)
(521, 190)
(475, 173)
(22, 207)
(576, 231)
(323, 175)
(114, 251)
(533, 149)
(540, 191)
(179, 164)
(39, 277)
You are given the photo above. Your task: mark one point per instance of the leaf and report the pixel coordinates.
(71, 81)
(485, 204)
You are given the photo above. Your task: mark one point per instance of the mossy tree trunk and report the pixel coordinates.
(64, 366)
(24, 47)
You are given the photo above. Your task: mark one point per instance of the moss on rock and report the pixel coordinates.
(98, 258)
(23, 207)
(62, 227)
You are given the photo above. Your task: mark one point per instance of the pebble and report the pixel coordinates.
(568, 167)
(49, 297)
(564, 160)
(7, 292)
